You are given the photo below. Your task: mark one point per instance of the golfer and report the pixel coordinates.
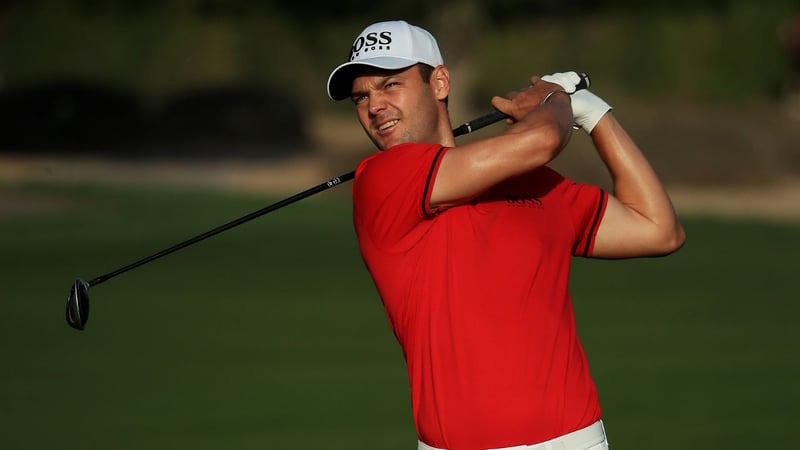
(470, 246)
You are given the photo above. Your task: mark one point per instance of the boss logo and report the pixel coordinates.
(371, 41)
(519, 201)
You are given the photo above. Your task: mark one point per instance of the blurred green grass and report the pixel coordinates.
(271, 334)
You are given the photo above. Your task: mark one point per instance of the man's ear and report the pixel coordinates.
(440, 80)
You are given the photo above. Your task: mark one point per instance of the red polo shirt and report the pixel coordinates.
(477, 296)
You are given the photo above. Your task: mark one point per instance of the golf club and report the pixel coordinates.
(78, 301)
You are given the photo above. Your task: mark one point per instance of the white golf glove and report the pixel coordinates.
(568, 80)
(587, 108)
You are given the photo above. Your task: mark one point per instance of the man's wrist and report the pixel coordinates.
(551, 93)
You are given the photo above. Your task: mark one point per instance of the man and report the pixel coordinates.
(470, 246)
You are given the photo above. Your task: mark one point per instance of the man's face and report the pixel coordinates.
(396, 106)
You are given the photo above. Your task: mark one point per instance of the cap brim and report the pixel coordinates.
(340, 82)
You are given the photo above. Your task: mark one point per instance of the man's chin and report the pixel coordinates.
(389, 143)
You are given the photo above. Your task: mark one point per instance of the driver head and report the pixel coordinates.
(78, 304)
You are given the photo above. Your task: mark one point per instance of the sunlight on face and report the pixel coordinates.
(396, 106)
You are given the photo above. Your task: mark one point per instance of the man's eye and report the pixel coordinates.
(358, 99)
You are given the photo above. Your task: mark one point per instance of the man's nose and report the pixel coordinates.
(377, 103)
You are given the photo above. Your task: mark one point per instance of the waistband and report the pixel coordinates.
(577, 440)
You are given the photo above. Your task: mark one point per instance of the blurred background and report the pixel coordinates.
(129, 125)
(245, 78)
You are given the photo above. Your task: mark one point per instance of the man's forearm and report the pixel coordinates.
(636, 185)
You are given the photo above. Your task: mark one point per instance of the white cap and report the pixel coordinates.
(385, 45)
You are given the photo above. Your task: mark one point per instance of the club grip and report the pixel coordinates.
(585, 81)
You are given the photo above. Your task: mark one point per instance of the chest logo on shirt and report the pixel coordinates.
(518, 201)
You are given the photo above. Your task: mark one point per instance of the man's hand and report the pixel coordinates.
(518, 103)
(567, 80)
(587, 108)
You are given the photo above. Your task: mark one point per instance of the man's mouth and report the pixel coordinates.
(387, 125)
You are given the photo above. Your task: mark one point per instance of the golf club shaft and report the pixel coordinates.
(267, 209)
(468, 127)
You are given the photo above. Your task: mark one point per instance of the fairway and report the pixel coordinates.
(271, 335)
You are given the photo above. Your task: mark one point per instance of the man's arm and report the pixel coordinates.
(538, 134)
(639, 219)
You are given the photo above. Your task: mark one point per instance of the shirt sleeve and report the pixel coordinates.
(587, 204)
(392, 191)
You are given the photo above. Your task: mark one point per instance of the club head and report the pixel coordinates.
(78, 304)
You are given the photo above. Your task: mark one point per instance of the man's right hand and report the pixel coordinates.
(519, 103)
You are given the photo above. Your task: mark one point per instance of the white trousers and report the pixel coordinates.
(592, 437)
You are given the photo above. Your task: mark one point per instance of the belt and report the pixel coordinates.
(577, 440)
